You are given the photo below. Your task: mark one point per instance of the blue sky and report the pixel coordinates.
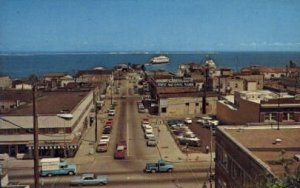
(150, 25)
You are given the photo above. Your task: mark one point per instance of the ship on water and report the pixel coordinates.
(161, 59)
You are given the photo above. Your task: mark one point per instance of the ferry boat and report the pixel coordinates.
(160, 59)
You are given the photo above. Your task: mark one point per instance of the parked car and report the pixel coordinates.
(151, 141)
(173, 122)
(111, 112)
(207, 121)
(108, 123)
(144, 124)
(119, 153)
(145, 120)
(104, 138)
(189, 142)
(107, 129)
(149, 134)
(89, 179)
(102, 147)
(189, 138)
(148, 127)
(203, 120)
(188, 120)
(182, 129)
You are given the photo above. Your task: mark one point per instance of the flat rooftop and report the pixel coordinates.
(50, 103)
(259, 95)
(260, 141)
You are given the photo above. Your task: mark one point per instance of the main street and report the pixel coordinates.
(190, 170)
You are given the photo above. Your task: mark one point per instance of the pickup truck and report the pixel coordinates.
(56, 166)
(160, 166)
(89, 179)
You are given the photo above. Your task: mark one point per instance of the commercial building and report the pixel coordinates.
(249, 156)
(230, 84)
(95, 75)
(180, 97)
(259, 106)
(56, 135)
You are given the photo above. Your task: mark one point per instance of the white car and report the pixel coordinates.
(149, 135)
(151, 141)
(213, 122)
(111, 112)
(204, 121)
(148, 127)
(104, 138)
(188, 120)
(144, 124)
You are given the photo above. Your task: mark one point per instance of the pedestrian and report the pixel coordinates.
(206, 149)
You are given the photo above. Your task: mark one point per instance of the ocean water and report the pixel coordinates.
(22, 65)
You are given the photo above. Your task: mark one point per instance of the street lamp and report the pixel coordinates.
(65, 117)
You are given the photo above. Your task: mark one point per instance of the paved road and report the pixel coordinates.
(189, 172)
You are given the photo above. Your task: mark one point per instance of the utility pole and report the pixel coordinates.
(35, 139)
(210, 160)
(96, 111)
(111, 88)
(278, 105)
(219, 87)
(205, 89)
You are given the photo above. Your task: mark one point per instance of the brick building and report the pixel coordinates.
(259, 106)
(248, 156)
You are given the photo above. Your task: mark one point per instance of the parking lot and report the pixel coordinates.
(201, 132)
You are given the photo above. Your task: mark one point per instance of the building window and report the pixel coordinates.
(164, 110)
(197, 104)
(187, 104)
(287, 116)
(225, 160)
(222, 158)
(236, 85)
(270, 117)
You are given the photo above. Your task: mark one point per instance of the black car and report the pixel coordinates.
(106, 130)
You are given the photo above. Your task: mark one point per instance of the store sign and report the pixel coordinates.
(175, 84)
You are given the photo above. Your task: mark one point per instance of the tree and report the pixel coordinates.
(289, 180)
(33, 78)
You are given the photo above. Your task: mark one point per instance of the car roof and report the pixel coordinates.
(88, 175)
(120, 148)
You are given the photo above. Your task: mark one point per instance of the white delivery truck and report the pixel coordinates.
(56, 166)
